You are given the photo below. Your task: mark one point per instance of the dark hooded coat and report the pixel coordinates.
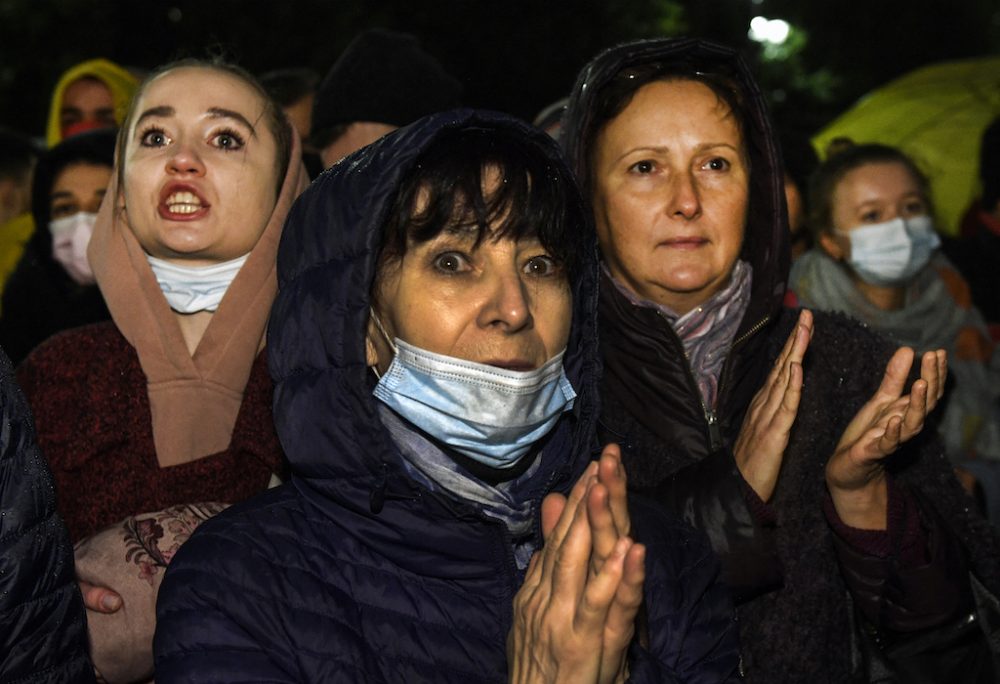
(43, 629)
(795, 611)
(353, 571)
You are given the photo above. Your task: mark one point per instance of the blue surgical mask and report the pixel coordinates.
(492, 415)
(190, 289)
(892, 252)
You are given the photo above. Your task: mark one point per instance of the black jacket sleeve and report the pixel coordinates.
(709, 495)
(43, 631)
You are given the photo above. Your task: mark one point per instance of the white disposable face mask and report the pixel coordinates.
(491, 415)
(892, 252)
(190, 289)
(70, 237)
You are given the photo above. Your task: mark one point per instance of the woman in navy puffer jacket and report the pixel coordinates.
(399, 550)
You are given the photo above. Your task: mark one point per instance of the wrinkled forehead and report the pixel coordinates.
(199, 89)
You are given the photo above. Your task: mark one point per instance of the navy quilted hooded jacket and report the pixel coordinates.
(354, 572)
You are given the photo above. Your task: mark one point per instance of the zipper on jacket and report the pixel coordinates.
(713, 431)
(749, 333)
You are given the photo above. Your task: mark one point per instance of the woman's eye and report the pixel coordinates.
(541, 266)
(154, 138)
(644, 166)
(228, 140)
(58, 211)
(450, 262)
(915, 208)
(717, 164)
(872, 216)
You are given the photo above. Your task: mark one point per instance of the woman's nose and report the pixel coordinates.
(508, 305)
(684, 200)
(184, 159)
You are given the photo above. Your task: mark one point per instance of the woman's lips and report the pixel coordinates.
(180, 202)
(684, 243)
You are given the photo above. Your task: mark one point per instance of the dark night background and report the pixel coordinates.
(516, 55)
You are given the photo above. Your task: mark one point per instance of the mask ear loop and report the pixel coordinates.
(385, 336)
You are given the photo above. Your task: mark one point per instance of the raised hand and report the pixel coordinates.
(855, 474)
(763, 437)
(574, 616)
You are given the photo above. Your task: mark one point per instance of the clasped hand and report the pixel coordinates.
(574, 616)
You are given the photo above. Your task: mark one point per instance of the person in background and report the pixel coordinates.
(53, 288)
(92, 94)
(295, 91)
(976, 250)
(876, 260)
(773, 430)
(17, 162)
(382, 80)
(43, 631)
(157, 419)
(433, 345)
(800, 160)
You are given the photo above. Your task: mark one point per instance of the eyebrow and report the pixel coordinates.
(662, 149)
(213, 113)
(220, 113)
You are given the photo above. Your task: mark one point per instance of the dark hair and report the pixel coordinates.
(288, 86)
(444, 190)
(989, 165)
(96, 148)
(274, 117)
(327, 136)
(845, 159)
(17, 155)
(617, 93)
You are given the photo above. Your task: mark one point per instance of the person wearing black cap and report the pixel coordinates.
(382, 80)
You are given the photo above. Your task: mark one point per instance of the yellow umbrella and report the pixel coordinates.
(937, 115)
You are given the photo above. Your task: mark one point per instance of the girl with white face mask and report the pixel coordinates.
(53, 287)
(877, 261)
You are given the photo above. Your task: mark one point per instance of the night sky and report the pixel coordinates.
(515, 56)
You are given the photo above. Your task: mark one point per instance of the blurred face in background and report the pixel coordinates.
(86, 105)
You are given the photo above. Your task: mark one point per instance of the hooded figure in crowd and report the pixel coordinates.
(772, 430)
(53, 287)
(397, 550)
(92, 94)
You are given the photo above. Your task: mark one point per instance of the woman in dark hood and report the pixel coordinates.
(433, 345)
(53, 288)
(807, 469)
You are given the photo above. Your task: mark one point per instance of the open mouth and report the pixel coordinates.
(182, 203)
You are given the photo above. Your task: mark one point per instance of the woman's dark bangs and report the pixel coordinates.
(529, 201)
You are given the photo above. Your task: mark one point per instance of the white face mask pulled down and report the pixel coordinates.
(70, 237)
(190, 289)
(890, 253)
(491, 415)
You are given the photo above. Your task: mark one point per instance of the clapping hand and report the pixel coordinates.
(760, 446)
(855, 474)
